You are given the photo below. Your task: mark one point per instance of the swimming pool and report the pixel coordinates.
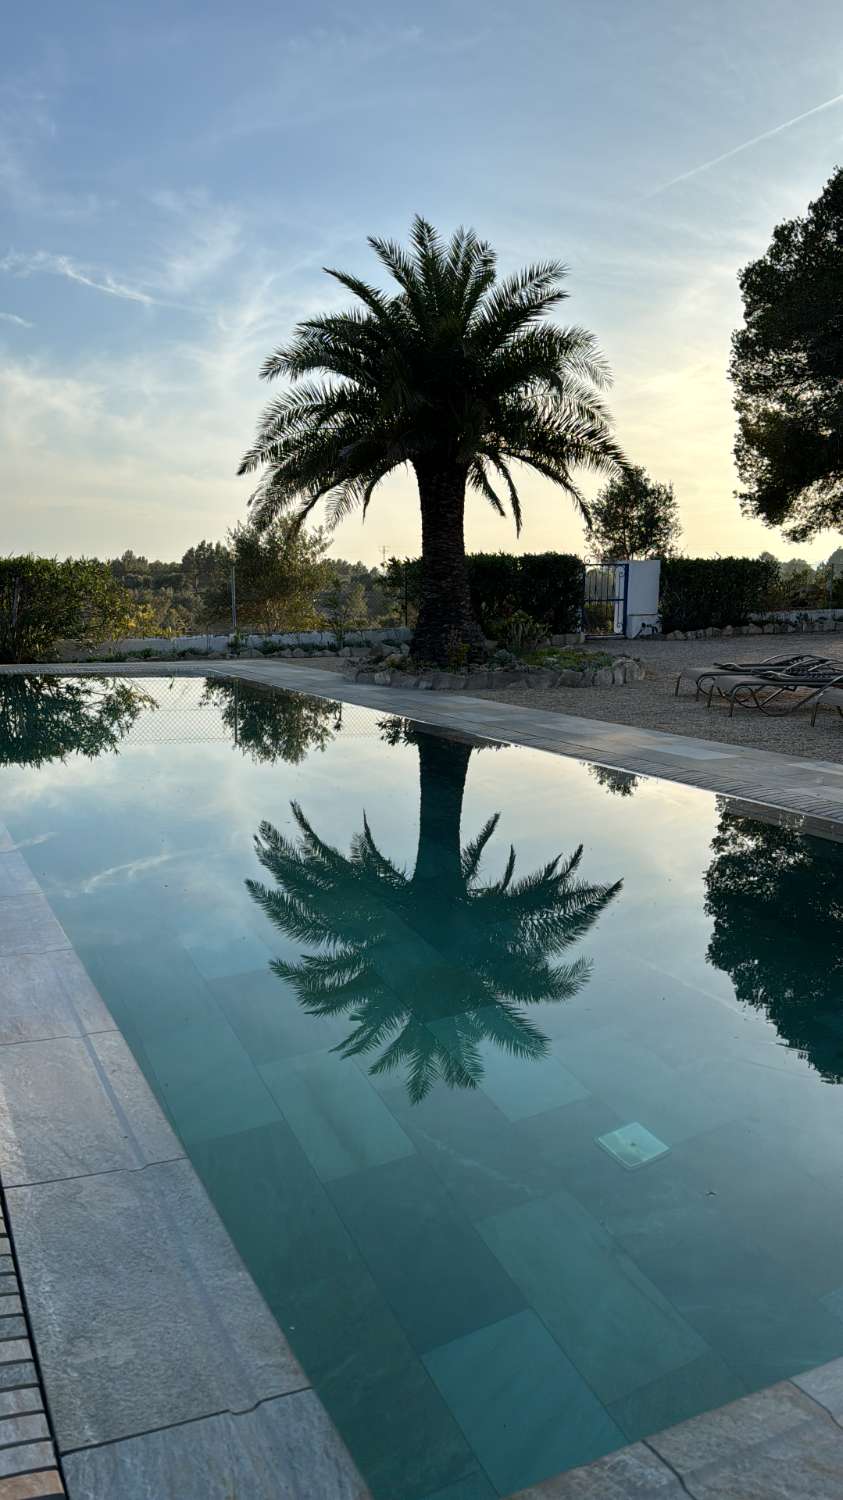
(515, 1081)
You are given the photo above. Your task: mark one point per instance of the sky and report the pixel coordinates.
(175, 176)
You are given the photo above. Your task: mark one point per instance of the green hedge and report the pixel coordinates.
(546, 585)
(700, 591)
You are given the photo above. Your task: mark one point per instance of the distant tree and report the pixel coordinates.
(44, 601)
(206, 566)
(633, 516)
(786, 366)
(281, 569)
(343, 605)
(457, 376)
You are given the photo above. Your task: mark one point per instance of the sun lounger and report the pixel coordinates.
(830, 697)
(741, 669)
(779, 693)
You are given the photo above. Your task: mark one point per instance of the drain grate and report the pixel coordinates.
(633, 1145)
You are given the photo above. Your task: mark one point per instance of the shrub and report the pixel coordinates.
(519, 631)
(700, 592)
(43, 601)
(547, 585)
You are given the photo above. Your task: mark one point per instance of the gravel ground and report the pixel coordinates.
(652, 705)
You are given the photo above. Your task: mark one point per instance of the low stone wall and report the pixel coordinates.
(623, 669)
(821, 622)
(218, 645)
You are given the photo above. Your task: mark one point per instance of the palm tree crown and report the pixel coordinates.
(455, 374)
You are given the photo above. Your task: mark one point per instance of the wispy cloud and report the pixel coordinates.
(42, 261)
(13, 318)
(756, 140)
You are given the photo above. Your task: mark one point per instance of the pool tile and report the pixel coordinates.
(209, 1084)
(518, 1086)
(633, 1146)
(703, 1384)
(77, 1134)
(220, 951)
(484, 1160)
(613, 1322)
(341, 1123)
(359, 1360)
(473, 1487)
(269, 1019)
(524, 1408)
(27, 925)
(276, 1210)
(434, 1269)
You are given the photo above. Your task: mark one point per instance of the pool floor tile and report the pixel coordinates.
(614, 1323)
(473, 1487)
(341, 1123)
(525, 1409)
(209, 1084)
(430, 1263)
(703, 1384)
(268, 1017)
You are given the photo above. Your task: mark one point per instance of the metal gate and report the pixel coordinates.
(604, 598)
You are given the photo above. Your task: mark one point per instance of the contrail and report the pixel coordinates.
(745, 145)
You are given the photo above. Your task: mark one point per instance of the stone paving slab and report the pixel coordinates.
(285, 1448)
(143, 1312)
(47, 995)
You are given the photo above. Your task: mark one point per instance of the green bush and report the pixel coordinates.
(546, 585)
(698, 592)
(43, 601)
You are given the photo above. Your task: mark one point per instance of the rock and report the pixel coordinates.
(425, 684)
(383, 679)
(569, 678)
(603, 677)
(619, 676)
(752, 629)
(409, 682)
(404, 648)
(728, 629)
(709, 632)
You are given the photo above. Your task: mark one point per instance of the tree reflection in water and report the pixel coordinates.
(776, 897)
(45, 718)
(430, 965)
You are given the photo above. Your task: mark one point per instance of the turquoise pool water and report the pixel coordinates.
(516, 1082)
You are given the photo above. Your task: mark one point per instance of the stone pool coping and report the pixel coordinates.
(165, 1372)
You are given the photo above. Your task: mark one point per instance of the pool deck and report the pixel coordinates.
(164, 1372)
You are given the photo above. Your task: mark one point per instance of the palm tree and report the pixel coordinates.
(429, 966)
(456, 375)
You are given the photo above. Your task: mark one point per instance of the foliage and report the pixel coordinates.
(619, 783)
(43, 601)
(634, 516)
(786, 364)
(774, 897)
(270, 726)
(519, 632)
(280, 570)
(703, 591)
(569, 658)
(455, 374)
(45, 718)
(343, 605)
(547, 585)
(434, 967)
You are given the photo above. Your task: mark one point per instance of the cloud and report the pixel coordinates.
(765, 135)
(42, 261)
(13, 318)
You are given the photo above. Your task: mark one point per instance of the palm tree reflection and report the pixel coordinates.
(431, 965)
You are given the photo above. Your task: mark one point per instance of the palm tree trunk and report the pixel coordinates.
(446, 632)
(443, 767)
